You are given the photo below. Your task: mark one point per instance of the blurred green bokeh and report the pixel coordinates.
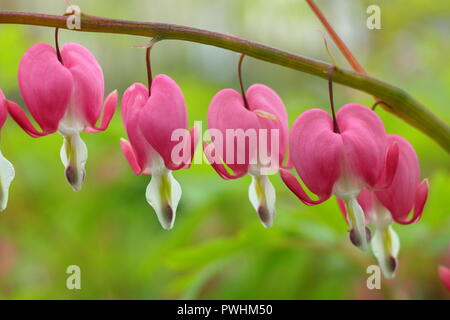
(218, 248)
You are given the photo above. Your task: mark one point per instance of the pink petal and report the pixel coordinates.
(341, 205)
(227, 113)
(108, 111)
(390, 169)
(194, 133)
(444, 274)
(261, 97)
(16, 112)
(364, 140)
(164, 112)
(88, 82)
(129, 154)
(316, 152)
(220, 167)
(3, 109)
(419, 203)
(292, 183)
(289, 164)
(133, 101)
(403, 193)
(366, 200)
(46, 86)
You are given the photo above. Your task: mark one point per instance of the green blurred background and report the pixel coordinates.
(218, 249)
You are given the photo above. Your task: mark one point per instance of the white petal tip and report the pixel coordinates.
(265, 216)
(167, 219)
(385, 247)
(262, 197)
(360, 240)
(75, 178)
(389, 267)
(74, 156)
(7, 174)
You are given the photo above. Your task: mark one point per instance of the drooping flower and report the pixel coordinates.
(152, 123)
(6, 168)
(63, 94)
(383, 207)
(341, 157)
(249, 134)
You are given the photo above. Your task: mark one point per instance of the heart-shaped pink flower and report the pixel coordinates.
(151, 123)
(342, 163)
(382, 207)
(66, 97)
(249, 140)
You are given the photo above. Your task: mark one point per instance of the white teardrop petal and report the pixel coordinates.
(262, 196)
(163, 194)
(6, 177)
(385, 247)
(357, 220)
(74, 156)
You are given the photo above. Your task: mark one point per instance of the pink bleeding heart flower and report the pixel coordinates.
(341, 158)
(406, 193)
(64, 96)
(159, 141)
(249, 135)
(6, 168)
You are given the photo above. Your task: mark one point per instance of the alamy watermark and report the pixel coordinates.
(374, 19)
(374, 280)
(73, 281)
(258, 147)
(73, 14)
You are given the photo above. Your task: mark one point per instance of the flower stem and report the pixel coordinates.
(330, 92)
(241, 82)
(340, 44)
(337, 40)
(149, 69)
(58, 53)
(148, 63)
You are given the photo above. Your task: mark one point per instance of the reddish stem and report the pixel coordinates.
(58, 53)
(149, 69)
(241, 82)
(337, 40)
(330, 92)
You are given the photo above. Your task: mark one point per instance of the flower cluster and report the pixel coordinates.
(375, 176)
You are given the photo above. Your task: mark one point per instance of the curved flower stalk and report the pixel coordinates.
(152, 122)
(384, 207)
(249, 134)
(63, 92)
(341, 156)
(6, 168)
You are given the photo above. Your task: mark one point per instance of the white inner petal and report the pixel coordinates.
(357, 222)
(262, 196)
(74, 156)
(163, 192)
(6, 177)
(385, 247)
(348, 185)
